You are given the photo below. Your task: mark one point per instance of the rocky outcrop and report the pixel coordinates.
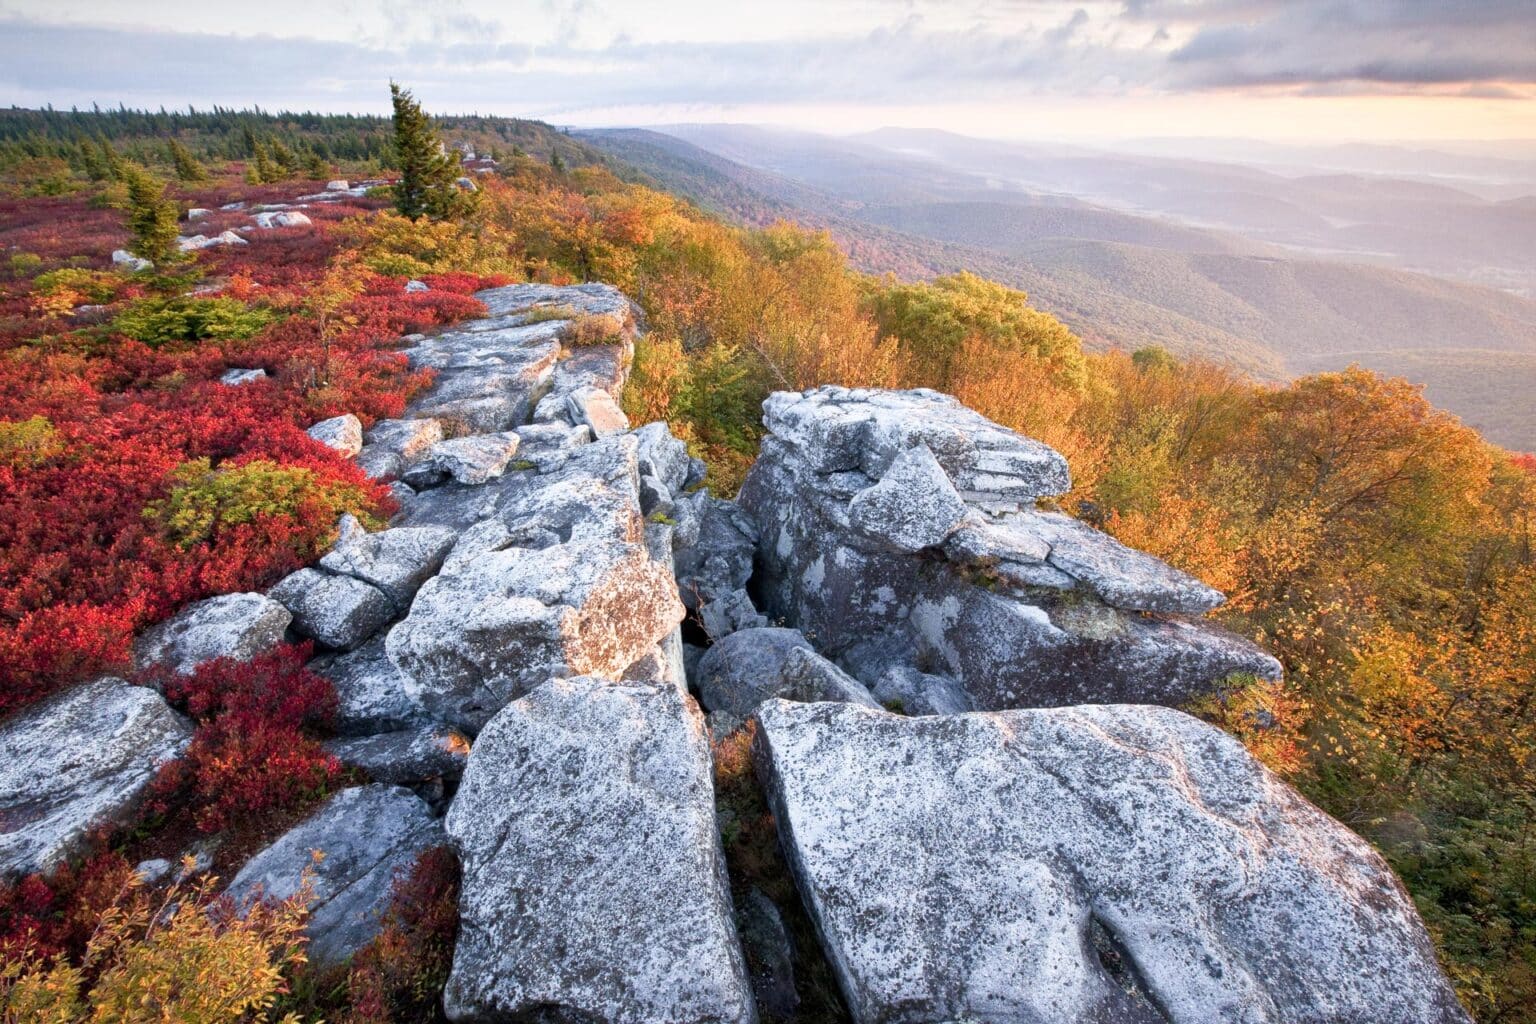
(367, 836)
(238, 626)
(396, 561)
(900, 529)
(556, 582)
(1110, 863)
(593, 884)
(80, 759)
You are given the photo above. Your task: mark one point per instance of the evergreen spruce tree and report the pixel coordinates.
(187, 167)
(428, 175)
(116, 166)
(555, 163)
(316, 167)
(266, 170)
(151, 216)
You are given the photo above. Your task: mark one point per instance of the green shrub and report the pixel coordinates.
(26, 444)
(89, 285)
(204, 502)
(164, 321)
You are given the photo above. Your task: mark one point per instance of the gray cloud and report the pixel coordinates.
(459, 62)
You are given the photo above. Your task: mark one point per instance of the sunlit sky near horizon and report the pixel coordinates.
(1328, 71)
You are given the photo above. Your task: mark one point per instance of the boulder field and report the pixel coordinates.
(961, 702)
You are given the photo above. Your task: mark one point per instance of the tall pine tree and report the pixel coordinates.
(151, 216)
(428, 184)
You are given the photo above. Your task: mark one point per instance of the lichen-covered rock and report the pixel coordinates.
(396, 561)
(594, 888)
(339, 612)
(1088, 864)
(598, 410)
(238, 626)
(914, 506)
(467, 460)
(405, 758)
(905, 689)
(80, 758)
(751, 665)
(663, 456)
(557, 582)
(1018, 607)
(371, 694)
(343, 433)
(237, 377)
(368, 835)
(282, 219)
(393, 446)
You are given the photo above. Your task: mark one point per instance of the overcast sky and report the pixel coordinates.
(1277, 69)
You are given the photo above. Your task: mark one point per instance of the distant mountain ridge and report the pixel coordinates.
(1120, 278)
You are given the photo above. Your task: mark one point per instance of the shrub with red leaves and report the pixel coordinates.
(255, 749)
(82, 567)
(55, 916)
(399, 977)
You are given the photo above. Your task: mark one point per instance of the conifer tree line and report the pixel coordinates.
(189, 143)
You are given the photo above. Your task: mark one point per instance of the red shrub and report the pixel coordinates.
(56, 916)
(399, 977)
(254, 750)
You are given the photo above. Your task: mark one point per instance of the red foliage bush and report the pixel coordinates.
(81, 565)
(55, 916)
(399, 977)
(254, 750)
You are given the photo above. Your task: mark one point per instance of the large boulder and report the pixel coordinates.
(238, 626)
(393, 446)
(1083, 865)
(79, 759)
(367, 836)
(339, 612)
(405, 758)
(594, 888)
(557, 582)
(904, 520)
(752, 665)
(466, 460)
(396, 561)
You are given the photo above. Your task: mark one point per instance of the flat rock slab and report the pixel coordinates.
(238, 626)
(594, 888)
(1084, 865)
(78, 759)
(368, 835)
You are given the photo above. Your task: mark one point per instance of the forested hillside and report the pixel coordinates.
(1376, 545)
(1118, 278)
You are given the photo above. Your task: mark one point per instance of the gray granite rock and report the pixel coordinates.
(914, 506)
(594, 888)
(238, 626)
(343, 433)
(752, 665)
(557, 582)
(467, 460)
(598, 410)
(404, 758)
(714, 545)
(368, 835)
(662, 456)
(236, 377)
(1018, 607)
(339, 612)
(905, 689)
(372, 696)
(78, 759)
(393, 446)
(1120, 864)
(396, 561)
